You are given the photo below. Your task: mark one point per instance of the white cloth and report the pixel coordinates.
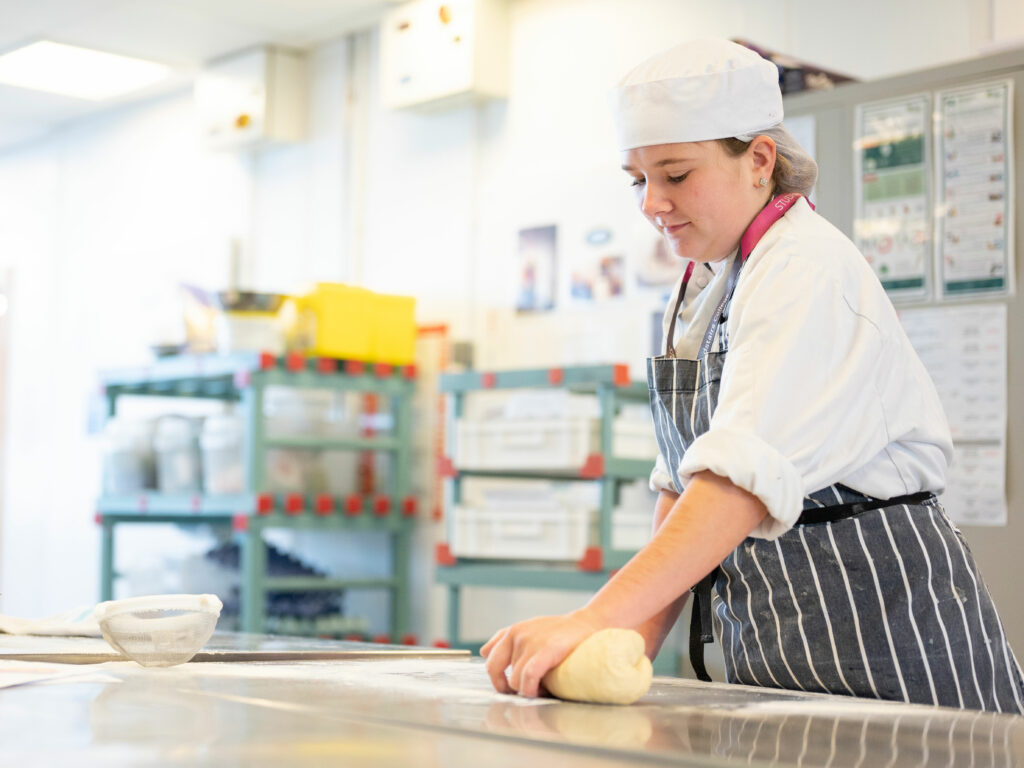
(696, 91)
(820, 385)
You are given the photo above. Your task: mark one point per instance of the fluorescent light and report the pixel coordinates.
(79, 72)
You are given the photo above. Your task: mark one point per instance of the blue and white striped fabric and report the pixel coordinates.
(886, 604)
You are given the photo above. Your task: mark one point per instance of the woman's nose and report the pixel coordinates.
(653, 203)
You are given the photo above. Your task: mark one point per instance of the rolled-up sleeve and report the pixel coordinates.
(798, 407)
(661, 478)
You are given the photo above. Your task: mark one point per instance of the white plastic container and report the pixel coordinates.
(249, 332)
(290, 412)
(540, 531)
(634, 439)
(633, 517)
(631, 529)
(128, 461)
(176, 444)
(537, 445)
(222, 454)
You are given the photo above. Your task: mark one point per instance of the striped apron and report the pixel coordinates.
(864, 597)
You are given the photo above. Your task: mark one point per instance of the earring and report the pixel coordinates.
(763, 182)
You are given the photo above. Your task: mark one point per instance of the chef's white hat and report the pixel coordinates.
(697, 91)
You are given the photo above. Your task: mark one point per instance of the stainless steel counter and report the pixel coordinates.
(223, 646)
(441, 711)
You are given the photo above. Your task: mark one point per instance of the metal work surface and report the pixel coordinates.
(223, 646)
(443, 712)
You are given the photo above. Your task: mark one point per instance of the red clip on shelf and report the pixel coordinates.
(443, 555)
(353, 505)
(593, 560)
(326, 365)
(324, 505)
(593, 467)
(409, 506)
(382, 506)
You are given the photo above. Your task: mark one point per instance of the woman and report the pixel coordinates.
(801, 440)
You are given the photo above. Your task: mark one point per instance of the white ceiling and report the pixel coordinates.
(180, 33)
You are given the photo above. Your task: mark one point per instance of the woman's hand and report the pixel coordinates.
(533, 647)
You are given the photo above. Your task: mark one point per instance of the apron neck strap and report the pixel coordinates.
(772, 212)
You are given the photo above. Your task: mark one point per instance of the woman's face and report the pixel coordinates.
(697, 195)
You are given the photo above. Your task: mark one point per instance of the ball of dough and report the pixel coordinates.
(609, 667)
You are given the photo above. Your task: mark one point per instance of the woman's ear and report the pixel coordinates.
(761, 152)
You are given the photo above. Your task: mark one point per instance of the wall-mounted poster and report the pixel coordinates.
(597, 275)
(892, 220)
(537, 266)
(964, 349)
(974, 190)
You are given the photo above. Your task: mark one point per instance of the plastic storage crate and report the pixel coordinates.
(631, 529)
(526, 445)
(634, 439)
(544, 531)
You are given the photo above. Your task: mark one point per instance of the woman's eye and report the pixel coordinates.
(637, 183)
(677, 179)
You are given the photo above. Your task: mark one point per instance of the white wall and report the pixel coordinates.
(101, 220)
(100, 224)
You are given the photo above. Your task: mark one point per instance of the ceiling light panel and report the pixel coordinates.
(78, 72)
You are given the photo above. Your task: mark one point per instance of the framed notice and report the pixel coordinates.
(974, 195)
(892, 222)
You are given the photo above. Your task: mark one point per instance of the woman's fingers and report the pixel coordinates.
(533, 669)
(485, 649)
(499, 655)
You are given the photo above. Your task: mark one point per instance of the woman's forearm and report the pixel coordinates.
(656, 629)
(702, 527)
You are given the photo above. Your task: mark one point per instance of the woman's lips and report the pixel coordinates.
(672, 229)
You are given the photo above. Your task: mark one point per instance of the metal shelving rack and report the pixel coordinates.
(243, 378)
(612, 386)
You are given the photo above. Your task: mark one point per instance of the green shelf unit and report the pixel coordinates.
(613, 388)
(243, 378)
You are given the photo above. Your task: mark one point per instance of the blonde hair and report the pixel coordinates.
(795, 170)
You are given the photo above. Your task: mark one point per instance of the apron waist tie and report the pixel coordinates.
(701, 631)
(700, 623)
(841, 511)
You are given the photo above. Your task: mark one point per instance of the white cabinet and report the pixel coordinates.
(254, 96)
(443, 54)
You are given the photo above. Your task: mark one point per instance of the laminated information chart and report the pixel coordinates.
(964, 350)
(974, 189)
(891, 220)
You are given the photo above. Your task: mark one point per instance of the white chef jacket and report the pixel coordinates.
(820, 384)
